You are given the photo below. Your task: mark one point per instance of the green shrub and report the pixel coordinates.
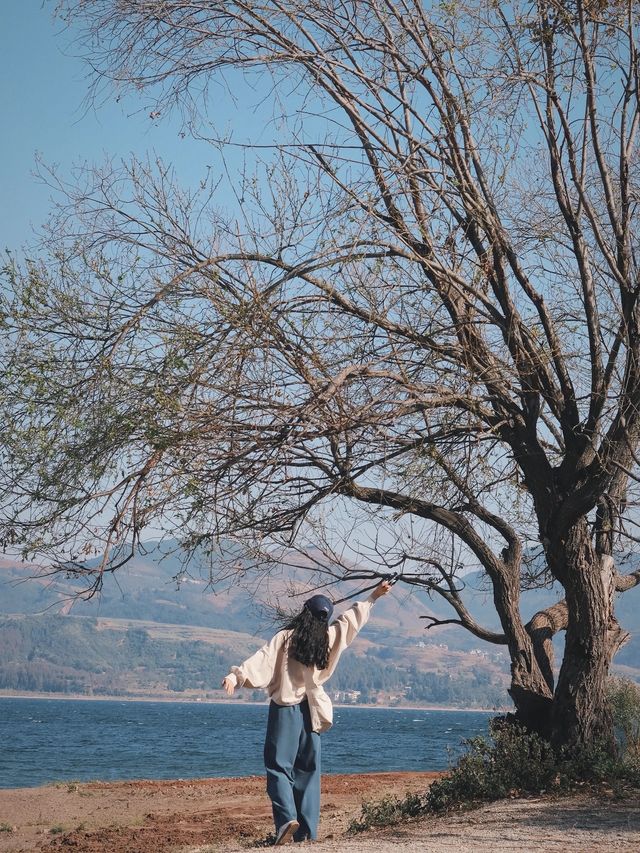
(624, 699)
(514, 761)
(511, 762)
(598, 765)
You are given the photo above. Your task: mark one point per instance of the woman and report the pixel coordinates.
(292, 667)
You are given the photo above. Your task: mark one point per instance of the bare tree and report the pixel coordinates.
(424, 329)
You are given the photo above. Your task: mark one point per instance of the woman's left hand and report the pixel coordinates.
(228, 685)
(382, 589)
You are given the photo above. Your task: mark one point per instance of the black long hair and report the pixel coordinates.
(309, 642)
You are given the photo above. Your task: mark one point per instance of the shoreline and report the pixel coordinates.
(202, 700)
(188, 782)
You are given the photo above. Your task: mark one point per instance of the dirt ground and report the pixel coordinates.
(164, 817)
(212, 815)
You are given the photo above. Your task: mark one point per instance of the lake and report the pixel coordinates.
(51, 740)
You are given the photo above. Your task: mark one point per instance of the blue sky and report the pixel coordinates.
(42, 90)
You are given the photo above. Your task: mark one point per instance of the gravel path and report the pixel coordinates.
(578, 824)
(582, 825)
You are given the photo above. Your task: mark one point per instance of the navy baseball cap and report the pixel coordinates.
(320, 606)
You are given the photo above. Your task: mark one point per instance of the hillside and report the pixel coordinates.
(107, 657)
(150, 634)
(154, 588)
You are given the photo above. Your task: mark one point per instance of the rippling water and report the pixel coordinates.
(47, 740)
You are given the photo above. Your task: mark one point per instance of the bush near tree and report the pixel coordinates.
(514, 762)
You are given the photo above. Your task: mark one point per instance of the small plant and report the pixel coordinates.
(388, 811)
(6, 827)
(56, 830)
(268, 841)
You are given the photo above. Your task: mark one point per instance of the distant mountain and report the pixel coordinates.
(154, 587)
(176, 611)
(151, 587)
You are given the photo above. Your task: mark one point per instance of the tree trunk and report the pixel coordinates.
(580, 713)
(530, 689)
(532, 699)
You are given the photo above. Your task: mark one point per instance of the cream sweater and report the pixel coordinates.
(287, 681)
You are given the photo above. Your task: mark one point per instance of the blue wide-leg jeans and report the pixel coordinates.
(292, 761)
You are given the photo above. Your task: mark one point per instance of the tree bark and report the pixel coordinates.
(529, 689)
(531, 696)
(580, 712)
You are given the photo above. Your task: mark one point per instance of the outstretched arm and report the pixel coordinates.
(257, 671)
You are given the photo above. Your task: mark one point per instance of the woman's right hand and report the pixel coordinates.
(228, 685)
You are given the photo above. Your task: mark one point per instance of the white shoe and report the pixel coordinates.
(286, 831)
